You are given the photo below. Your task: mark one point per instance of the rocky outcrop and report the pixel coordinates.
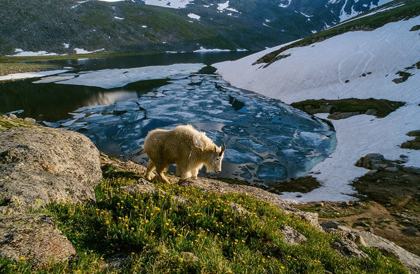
(348, 248)
(374, 161)
(39, 164)
(410, 260)
(33, 237)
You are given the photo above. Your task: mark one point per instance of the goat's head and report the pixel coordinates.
(216, 159)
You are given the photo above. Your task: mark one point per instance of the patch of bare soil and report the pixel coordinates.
(389, 207)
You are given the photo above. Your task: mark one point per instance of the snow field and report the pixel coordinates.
(352, 65)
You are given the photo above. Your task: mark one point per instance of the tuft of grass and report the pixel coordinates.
(6, 122)
(154, 231)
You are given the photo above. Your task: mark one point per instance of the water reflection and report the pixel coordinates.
(52, 102)
(135, 61)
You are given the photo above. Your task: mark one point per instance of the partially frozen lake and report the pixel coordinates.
(267, 141)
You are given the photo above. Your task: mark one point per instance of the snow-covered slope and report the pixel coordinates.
(359, 64)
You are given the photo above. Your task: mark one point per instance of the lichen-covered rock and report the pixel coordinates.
(348, 248)
(292, 237)
(38, 164)
(33, 237)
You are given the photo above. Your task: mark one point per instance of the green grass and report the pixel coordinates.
(409, 10)
(152, 231)
(383, 107)
(6, 123)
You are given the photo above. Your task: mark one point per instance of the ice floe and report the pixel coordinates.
(112, 78)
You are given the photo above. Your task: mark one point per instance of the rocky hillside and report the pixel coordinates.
(123, 26)
(132, 225)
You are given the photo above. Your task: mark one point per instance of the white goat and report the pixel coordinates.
(184, 146)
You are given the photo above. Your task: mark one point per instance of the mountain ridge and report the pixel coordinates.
(132, 26)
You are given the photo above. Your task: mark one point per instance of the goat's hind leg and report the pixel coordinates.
(150, 169)
(160, 171)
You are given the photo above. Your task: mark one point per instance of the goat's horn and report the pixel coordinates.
(223, 148)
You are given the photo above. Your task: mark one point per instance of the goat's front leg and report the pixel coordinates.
(194, 174)
(185, 176)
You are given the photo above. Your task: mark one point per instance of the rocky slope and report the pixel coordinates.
(34, 238)
(64, 27)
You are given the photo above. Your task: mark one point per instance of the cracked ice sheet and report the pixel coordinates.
(356, 137)
(114, 78)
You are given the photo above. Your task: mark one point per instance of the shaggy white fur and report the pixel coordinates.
(184, 146)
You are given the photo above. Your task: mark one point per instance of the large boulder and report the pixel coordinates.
(33, 237)
(38, 164)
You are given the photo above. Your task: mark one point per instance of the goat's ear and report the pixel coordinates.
(223, 149)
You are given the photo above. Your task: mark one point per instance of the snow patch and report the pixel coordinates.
(225, 6)
(25, 75)
(82, 51)
(173, 4)
(194, 16)
(21, 52)
(203, 49)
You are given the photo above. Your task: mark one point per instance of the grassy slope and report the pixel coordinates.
(150, 232)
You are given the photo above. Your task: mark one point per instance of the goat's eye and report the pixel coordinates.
(218, 158)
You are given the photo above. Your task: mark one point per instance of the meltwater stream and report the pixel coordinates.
(267, 141)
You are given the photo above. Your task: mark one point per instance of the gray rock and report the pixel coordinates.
(410, 169)
(348, 248)
(371, 112)
(391, 169)
(361, 223)
(188, 256)
(372, 161)
(30, 120)
(410, 260)
(238, 208)
(342, 115)
(410, 231)
(330, 224)
(38, 164)
(148, 188)
(116, 261)
(292, 237)
(33, 237)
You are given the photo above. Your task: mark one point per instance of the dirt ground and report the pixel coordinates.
(389, 207)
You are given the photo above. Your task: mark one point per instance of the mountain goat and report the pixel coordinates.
(184, 146)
